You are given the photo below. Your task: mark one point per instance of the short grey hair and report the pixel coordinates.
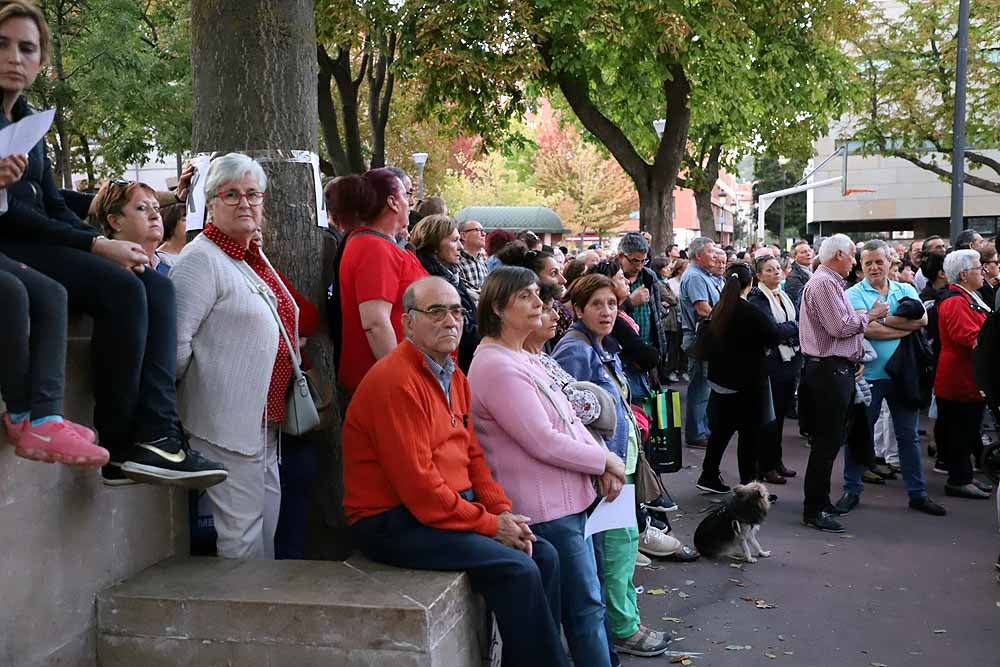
(878, 244)
(697, 246)
(841, 242)
(633, 242)
(232, 167)
(462, 225)
(958, 261)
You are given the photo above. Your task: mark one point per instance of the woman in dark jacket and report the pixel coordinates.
(134, 341)
(435, 239)
(735, 344)
(782, 361)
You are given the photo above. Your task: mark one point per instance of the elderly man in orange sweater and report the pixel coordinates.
(418, 492)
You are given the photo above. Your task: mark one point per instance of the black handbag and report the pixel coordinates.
(663, 449)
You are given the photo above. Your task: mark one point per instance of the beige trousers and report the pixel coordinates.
(245, 507)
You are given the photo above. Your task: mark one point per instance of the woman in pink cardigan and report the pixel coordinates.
(540, 452)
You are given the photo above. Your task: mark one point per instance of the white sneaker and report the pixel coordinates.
(642, 561)
(654, 542)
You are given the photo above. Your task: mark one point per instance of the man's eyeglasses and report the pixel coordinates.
(233, 197)
(635, 262)
(437, 314)
(477, 230)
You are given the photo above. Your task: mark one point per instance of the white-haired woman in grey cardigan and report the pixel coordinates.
(233, 365)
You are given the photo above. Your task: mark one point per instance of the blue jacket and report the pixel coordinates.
(584, 359)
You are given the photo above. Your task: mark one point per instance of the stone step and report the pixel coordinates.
(208, 611)
(66, 536)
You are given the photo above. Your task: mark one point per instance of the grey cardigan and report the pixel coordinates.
(227, 339)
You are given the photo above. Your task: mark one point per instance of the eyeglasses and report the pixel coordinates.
(477, 230)
(438, 313)
(234, 197)
(635, 262)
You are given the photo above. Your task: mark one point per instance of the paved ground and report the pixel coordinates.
(899, 588)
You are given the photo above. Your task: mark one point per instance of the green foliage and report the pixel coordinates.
(770, 175)
(907, 66)
(120, 77)
(490, 181)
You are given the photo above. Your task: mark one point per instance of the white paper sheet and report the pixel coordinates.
(196, 194)
(21, 137)
(619, 514)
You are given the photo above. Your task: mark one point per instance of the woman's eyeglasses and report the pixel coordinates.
(234, 197)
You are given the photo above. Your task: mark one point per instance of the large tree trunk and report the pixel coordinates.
(706, 217)
(254, 70)
(656, 214)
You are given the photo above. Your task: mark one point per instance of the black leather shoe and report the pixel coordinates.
(870, 477)
(785, 472)
(965, 491)
(927, 506)
(847, 502)
(824, 522)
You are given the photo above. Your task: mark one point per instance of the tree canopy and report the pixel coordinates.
(907, 65)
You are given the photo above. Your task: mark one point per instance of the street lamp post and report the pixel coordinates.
(958, 140)
(420, 159)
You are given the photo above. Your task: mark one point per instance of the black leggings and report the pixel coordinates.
(783, 396)
(962, 425)
(134, 343)
(32, 340)
(727, 414)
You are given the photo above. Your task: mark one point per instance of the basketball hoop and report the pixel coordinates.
(850, 191)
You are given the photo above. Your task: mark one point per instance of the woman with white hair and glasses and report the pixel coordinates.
(235, 320)
(961, 313)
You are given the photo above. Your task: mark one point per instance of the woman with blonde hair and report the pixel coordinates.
(436, 242)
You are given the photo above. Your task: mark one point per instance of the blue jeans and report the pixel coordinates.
(696, 410)
(522, 592)
(904, 421)
(582, 602)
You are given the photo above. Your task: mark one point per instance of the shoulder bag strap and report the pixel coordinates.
(261, 288)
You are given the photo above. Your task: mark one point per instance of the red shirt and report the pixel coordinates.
(281, 374)
(373, 268)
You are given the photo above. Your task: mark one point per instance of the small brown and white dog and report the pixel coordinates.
(732, 527)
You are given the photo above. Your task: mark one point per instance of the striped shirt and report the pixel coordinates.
(828, 325)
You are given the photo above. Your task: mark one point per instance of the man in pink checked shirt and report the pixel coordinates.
(831, 335)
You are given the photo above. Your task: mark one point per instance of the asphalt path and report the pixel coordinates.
(898, 588)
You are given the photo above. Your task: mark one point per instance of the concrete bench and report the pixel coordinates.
(207, 611)
(65, 536)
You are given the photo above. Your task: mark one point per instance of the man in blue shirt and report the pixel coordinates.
(698, 294)
(885, 335)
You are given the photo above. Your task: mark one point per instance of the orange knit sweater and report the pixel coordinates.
(404, 445)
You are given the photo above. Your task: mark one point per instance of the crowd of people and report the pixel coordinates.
(491, 385)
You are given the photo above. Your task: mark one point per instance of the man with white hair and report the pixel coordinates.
(698, 293)
(885, 337)
(471, 261)
(831, 334)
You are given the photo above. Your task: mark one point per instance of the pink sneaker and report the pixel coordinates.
(14, 431)
(56, 442)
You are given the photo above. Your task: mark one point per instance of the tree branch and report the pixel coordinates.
(328, 115)
(984, 160)
(975, 181)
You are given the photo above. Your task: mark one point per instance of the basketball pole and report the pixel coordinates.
(958, 134)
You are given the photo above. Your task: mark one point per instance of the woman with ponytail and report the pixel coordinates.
(736, 342)
(372, 272)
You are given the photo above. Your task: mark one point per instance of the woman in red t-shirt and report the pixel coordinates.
(373, 271)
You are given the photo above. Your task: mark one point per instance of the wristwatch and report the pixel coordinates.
(94, 241)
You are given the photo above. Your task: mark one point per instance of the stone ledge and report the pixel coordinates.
(200, 611)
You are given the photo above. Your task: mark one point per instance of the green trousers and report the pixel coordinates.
(621, 546)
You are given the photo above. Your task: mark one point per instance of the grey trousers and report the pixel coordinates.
(245, 507)
(32, 340)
